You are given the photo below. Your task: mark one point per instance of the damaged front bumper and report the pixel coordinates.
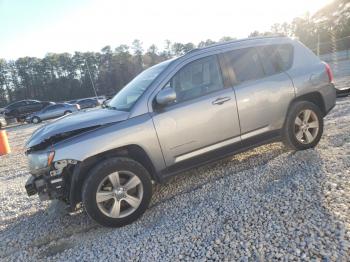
(52, 182)
(46, 186)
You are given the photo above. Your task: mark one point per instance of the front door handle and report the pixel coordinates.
(221, 100)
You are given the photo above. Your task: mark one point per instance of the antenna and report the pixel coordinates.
(92, 82)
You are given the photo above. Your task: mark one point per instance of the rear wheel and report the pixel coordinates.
(36, 120)
(304, 126)
(117, 192)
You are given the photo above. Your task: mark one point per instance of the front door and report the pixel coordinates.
(204, 116)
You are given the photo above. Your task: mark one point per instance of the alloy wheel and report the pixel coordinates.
(119, 194)
(306, 126)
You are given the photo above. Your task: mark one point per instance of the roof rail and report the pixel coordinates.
(235, 41)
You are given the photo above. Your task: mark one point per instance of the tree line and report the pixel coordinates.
(60, 77)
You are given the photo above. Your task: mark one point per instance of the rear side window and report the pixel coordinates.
(19, 104)
(31, 102)
(10, 107)
(285, 53)
(46, 109)
(268, 60)
(87, 101)
(245, 64)
(54, 107)
(276, 58)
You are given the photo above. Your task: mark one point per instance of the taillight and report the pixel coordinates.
(329, 72)
(78, 106)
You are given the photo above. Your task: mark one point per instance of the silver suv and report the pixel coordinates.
(182, 113)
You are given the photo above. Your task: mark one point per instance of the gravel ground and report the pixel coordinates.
(264, 204)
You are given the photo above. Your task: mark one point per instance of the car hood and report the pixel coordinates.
(74, 124)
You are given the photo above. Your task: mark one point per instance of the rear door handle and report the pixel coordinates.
(221, 100)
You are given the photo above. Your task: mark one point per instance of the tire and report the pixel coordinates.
(20, 119)
(36, 120)
(67, 112)
(103, 212)
(301, 134)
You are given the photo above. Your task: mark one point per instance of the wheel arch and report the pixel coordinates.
(81, 170)
(313, 97)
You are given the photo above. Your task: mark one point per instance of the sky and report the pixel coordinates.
(38, 27)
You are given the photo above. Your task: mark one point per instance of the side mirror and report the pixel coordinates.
(166, 96)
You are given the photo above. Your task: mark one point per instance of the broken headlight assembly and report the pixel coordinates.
(40, 161)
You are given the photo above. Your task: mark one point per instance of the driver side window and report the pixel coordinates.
(197, 79)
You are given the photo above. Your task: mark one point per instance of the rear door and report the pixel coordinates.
(46, 112)
(58, 111)
(20, 107)
(204, 117)
(263, 90)
(51, 112)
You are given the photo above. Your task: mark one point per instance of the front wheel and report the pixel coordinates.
(304, 126)
(117, 192)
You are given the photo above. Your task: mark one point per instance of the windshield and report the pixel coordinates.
(128, 96)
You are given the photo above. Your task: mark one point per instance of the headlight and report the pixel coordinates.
(39, 161)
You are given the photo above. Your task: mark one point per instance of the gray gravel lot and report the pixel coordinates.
(264, 204)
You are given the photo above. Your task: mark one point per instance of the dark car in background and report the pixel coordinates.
(343, 92)
(20, 109)
(52, 111)
(87, 103)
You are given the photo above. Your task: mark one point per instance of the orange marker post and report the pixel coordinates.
(4, 143)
